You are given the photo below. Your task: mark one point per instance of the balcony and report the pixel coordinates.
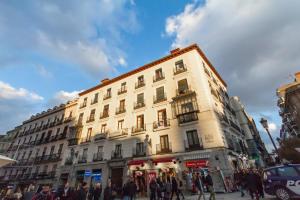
(68, 119)
(85, 140)
(192, 147)
(59, 122)
(120, 110)
(187, 117)
(158, 77)
(82, 159)
(138, 105)
(94, 101)
(122, 90)
(98, 156)
(119, 133)
(138, 152)
(69, 161)
(107, 96)
(160, 98)
(73, 141)
(82, 105)
(162, 149)
(45, 126)
(180, 69)
(161, 124)
(235, 126)
(138, 129)
(38, 129)
(184, 92)
(139, 84)
(117, 154)
(90, 119)
(52, 124)
(104, 115)
(101, 136)
(54, 157)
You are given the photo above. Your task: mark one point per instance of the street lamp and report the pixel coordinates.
(264, 123)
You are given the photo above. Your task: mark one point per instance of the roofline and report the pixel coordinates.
(156, 62)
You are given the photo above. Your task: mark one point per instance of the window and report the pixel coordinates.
(52, 150)
(123, 88)
(92, 115)
(118, 150)
(105, 111)
(60, 148)
(187, 107)
(120, 124)
(80, 118)
(108, 94)
(179, 67)
(182, 86)
(122, 104)
(103, 128)
(158, 75)
(54, 167)
(44, 151)
(160, 94)
(84, 153)
(65, 129)
(287, 171)
(140, 121)
(89, 134)
(162, 117)
(192, 138)
(100, 149)
(45, 169)
(95, 100)
(139, 147)
(57, 131)
(141, 79)
(140, 82)
(164, 143)
(140, 98)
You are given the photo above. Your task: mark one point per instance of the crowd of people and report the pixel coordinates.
(250, 180)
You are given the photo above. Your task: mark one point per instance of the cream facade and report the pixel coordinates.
(167, 116)
(38, 147)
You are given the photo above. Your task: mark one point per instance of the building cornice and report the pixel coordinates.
(156, 62)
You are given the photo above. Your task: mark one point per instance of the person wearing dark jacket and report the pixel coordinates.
(153, 189)
(44, 194)
(210, 186)
(252, 181)
(174, 188)
(81, 192)
(108, 192)
(132, 189)
(97, 192)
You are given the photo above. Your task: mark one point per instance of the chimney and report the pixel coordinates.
(175, 50)
(104, 80)
(297, 76)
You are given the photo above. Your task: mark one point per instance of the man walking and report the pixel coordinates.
(199, 186)
(210, 186)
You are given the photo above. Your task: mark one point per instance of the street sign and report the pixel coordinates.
(87, 173)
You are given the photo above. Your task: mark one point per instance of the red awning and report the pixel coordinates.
(136, 162)
(196, 163)
(163, 160)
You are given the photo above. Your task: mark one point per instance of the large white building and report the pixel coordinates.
(170, 116)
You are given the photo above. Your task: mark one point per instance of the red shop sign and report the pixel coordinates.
(196, 163)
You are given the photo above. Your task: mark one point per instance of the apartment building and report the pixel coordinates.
(289, 105)
(7, 139)
(256, 148)
(38, 146)
(171, 116)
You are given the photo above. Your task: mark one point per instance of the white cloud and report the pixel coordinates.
(272, 127)
(62, 97)
(8, 92)
(44, 72)
(84, 34)
(254, 45)
(122, 61)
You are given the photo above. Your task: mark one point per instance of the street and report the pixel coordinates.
(226, 196)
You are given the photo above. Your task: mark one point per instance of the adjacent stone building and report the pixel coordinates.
(289, 105)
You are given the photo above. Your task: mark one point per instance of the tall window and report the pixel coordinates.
(141, 80)
(140, 98)
(182, 86)
(60, 148)
(85, 153)
(89, 134)
(57, 131)
(120, 124)
(179, 65)
(160, 95)
(84, 101)
(118, 149)
(122, 105)
(95, 100)
(140, 121)
(103, 128)
(106, 109)
(44, 151)
(100, 149)
(187, 107)
(80, 118)
(65, 129)
(92, 115)
(162, 117)
(139, 147)
(192, 138)
(52, 150)
(158, 74)
(164, 143)
(123, 87)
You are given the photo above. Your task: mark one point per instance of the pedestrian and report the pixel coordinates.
(91, 192)
(168, 190)
(153, 189)
(159, 189)
(180, 189)
(44, 194)
(198, 185)
(18, 194)
(252, 184)
(132, 189)
(97, 192)
(81, 193)
(67, 193)
(174, 188)
(210, 186)
(108, 192)
(125, 191)
(29, 193)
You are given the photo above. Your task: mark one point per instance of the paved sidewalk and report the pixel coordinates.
(226, 196)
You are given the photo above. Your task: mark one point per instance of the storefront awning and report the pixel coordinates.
(163, 160)
(196, 163)
(136, 162)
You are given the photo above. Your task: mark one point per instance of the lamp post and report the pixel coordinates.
(264, 123)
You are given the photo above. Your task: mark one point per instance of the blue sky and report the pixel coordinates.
(50, 50)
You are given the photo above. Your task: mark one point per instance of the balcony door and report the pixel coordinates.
(118, 150)
(162, 117)
(182, 86)
(193, 140)
(140, 121)
(164, 143)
